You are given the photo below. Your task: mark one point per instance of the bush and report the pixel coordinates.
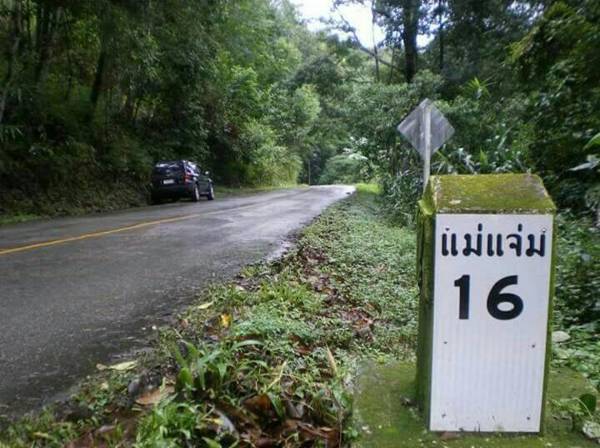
(347, 168)
(400, 195)
(577, 271)
(558, 62)
(266, 162)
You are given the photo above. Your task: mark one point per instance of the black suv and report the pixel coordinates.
(180, 179)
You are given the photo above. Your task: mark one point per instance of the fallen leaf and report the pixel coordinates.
(41, 435)
(154, 396)
(224, 423)
(266, 442)
(106, 428)
(294, 411)
(303, 350)
(331, 361)
(204, 306)
(123, 366)
(330, 435)
(259, 404)
(225, 320)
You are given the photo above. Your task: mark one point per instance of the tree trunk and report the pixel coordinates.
(70, 70)
(106, 32)
(98, 80)
(27, 16)
(410, 29)
(375, 49)
(42, 27)
(441, 33)
(391, 75)
(127, 109)
(48, 23)
(15, 36)
(136, 110)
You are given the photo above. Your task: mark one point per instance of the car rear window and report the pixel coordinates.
(167, 167)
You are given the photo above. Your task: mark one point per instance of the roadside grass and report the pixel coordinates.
(269, 359)
(272, 354)
(577, 304)
(17, 218)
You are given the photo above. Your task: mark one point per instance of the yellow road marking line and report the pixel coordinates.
(86, 236)
(95, 234)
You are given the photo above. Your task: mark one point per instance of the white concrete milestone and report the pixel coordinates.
(490, 319)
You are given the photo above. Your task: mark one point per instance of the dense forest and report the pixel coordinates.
(94, 92)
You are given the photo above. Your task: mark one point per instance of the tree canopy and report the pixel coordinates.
(98, 90)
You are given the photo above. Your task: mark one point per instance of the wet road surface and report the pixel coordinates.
(79, 291)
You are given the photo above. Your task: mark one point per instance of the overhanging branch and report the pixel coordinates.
(348, 28)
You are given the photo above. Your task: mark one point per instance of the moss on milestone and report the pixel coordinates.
(489, 193)
(386, 418)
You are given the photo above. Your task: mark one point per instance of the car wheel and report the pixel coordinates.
(196, 194)
(211, 193)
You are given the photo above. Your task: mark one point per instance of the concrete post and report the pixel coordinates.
(485, 257)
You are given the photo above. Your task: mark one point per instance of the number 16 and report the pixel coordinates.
(495, 298)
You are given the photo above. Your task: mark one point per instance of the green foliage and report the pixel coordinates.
(594, 142)
(204, 370)
(577, 308)
(375, 110)
(107, 88)
(270, 163)
(171, 424)
(556, 60)
(578, 271)
(517, 82)
(346, 168)
(400, 194)
(491, 136)
(43, 430)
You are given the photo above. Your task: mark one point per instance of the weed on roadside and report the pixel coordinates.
(268, 359)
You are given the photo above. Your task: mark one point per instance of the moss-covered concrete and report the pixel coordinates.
(386, 418)
(489, 193)
(493, 194)
(425, 254)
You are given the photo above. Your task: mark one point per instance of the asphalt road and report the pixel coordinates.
(75, 292)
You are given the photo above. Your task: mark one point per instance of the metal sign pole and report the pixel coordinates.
(426, 144)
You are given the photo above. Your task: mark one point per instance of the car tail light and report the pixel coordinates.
(185, 178)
